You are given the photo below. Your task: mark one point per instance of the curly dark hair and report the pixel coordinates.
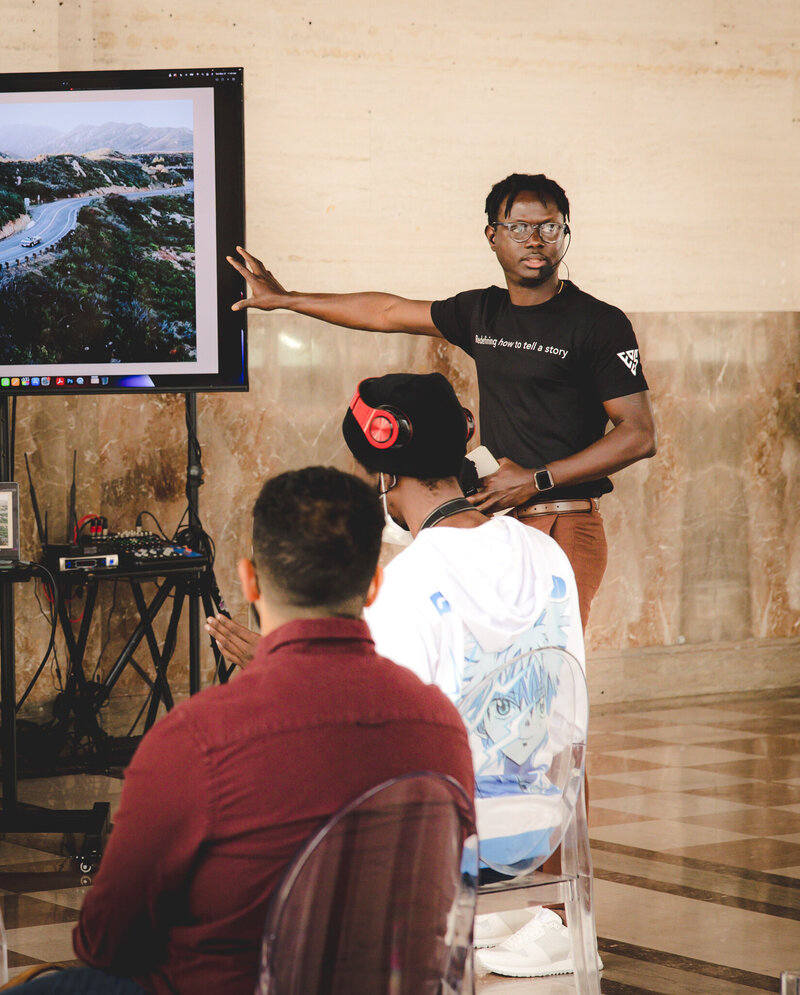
(515, 184)
(317, 536)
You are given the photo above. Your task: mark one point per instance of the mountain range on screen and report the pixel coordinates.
(22, 141)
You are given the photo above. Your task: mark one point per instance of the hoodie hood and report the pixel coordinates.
(495, 582)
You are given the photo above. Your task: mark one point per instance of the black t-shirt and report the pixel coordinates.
(544, 371)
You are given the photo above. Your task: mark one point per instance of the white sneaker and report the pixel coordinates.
(494, 927)
(540, 948)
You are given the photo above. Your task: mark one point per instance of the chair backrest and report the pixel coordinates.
(381, 899)
(527, 721)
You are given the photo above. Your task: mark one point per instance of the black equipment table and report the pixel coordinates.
(186, 575)
(14, 818)
(190, 577)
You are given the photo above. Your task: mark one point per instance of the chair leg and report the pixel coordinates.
(462, 981)
(580, 921)
(468, 980)
(579, 905)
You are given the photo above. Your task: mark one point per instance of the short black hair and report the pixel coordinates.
(512, 186)
(317, 536)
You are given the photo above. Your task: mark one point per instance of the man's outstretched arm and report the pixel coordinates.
(371, 312)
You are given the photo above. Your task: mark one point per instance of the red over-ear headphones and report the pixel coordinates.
(469, 418)
(383, 426)
(386, 427)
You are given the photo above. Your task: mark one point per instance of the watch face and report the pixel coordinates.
(543, 480)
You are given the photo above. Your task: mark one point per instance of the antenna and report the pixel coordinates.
(72, 518)
(42, 532)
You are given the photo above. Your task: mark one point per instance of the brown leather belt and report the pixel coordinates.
(565, 507)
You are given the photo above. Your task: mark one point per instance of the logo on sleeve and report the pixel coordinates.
(440, 603)
(630, 359)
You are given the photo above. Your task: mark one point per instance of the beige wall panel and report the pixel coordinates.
(374, 132)
(29, 36)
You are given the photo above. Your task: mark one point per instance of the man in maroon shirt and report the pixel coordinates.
(224, 790)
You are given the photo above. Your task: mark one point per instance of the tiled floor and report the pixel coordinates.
(695, 826)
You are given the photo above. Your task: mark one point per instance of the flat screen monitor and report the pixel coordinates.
(9, 522)
(120, 195)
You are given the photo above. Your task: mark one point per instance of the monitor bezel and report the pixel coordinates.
(228, 88)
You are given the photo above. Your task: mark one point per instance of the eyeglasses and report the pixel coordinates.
(521, 231)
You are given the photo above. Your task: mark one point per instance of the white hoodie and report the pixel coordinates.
(459, 607)
(502, 583)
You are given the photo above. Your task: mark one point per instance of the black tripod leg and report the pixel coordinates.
(213, 603)
(161, 690)
(76, 648)
(161, 659)
(145, 626)
(81, 700)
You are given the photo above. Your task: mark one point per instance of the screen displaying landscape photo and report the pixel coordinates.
(9, 521)
(97, 232)
(6, 520)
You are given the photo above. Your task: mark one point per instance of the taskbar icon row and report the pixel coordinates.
(90, 381)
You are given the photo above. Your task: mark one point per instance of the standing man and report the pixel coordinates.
(554, 366)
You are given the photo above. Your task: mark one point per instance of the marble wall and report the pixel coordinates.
(704, 539)
(710, 527)
(373, 133)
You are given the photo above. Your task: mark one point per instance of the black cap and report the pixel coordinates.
(439, 426)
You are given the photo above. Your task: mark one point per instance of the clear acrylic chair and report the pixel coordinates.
(381, 900)
(527, 720)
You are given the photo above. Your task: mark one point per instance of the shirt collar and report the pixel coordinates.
(304, 630)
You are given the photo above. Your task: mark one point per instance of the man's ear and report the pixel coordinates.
(249, 580)
(490, 233)
(374, 585)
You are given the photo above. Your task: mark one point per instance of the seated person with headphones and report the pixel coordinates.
(225, 789)
(467, 586)
(468, 592)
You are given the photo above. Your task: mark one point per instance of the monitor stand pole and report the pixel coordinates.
(204, 589)
(194, 481)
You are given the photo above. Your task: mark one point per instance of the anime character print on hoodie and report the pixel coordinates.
(461, 604)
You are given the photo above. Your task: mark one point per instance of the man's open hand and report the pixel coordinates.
(265, 291)
(237, 642)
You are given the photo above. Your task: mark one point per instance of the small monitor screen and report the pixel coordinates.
(9, 522)
(120, 195)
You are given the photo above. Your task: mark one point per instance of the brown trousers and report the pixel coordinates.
(582, 537)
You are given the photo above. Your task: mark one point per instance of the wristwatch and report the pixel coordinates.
(543, 480)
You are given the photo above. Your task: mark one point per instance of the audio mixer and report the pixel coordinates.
(132, 550)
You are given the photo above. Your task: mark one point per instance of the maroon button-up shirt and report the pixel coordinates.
(225, 788)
